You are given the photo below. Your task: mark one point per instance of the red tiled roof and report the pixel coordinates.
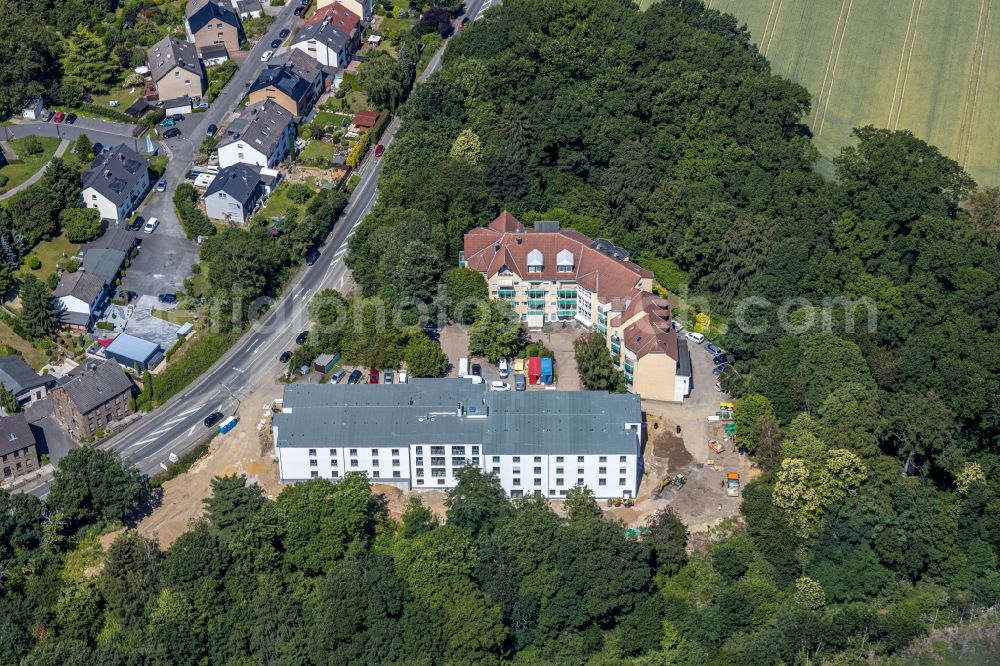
(505, 241)
(646, 336)
(366, 119)
(341, 17)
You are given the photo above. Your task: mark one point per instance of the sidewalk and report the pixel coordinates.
(60, 151)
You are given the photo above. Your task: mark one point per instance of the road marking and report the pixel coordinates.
(192, 429)
(239, 370)
(173, 421)
(145, 441)
(252, 343)
(190, 411)
(160, 431)
(301, 293)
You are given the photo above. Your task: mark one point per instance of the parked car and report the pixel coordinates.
(312, 257)
(466, 21)
(712, 349)
(519, 383)
(285, 357)
(477, 370)
(168, 122)
(719, 369)
(379, 149)
(115, 103)
(298, 11)
(70, 118)
(718, 387)
(137, 223)
(150, 225)
(503, 368)
(167, 298)
(300, 339)
(203, 104)
(387, 376)
(97, 148)
(403, 377)
(213, 418)
(171, 133)
(266, 56)
(355, 377)
(275, 43)
(177, 117)
(47, 115)
(719, 359)
(59, 117)
(87, 99)
(284, 33)
(696, 338)
(211, 130)
(373, 376)
(499, 386)
(162, 185)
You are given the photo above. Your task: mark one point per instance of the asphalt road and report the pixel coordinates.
(178, 425)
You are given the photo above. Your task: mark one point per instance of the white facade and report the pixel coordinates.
(240, 151)
(381, 464)
(109, 209)
(322, 53)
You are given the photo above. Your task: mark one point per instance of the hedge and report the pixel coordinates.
(205, 350)
(194, 221)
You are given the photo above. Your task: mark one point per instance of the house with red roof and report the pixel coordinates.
(550, 274)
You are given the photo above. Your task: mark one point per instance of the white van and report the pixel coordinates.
(463, 367)
(504, 370)
(696, 338)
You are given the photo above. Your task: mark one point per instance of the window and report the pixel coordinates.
(538, 482)
(420, 461)
(395, 452)
(538, 459)
(475, 450)
(579, 459)
(517, 482)
(517, 459)
(562, 492)
(335, 474)
(374, 452)
(437, 450)
(602, 482)
(333, 462)
(313, 463)
(496, 459)
(420, 473)
(312, 452)
(420, 450)
(440, 482)
(313, 474)
(602, 470)
(333, 453)
(622, 458)
(395, 462)
(12, 436)
(559, 482)
(559, 470)
(559, 459)
(621, 470)
(437, 460)
(458, 450)
(458, 462)
(375, 462)
(396, 475)
(438, 472)
(240, 155)
(517, 470)
(621, 482)
(354, 452)
(420, 482)
(354, 463)
(496, 470)
(538, 470)
(579, 470)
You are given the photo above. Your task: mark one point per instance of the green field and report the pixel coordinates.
(928, 66)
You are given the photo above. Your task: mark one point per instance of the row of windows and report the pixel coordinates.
(336, 475)
(313, 462)
(354, 452)
(560, 459)
(560, 481)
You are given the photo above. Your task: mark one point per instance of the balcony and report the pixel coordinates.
(536, 302)
(616, 348)
(567, 303)
(566, 314)
(602, 329)
(567, 293)
(505, 293)
(536, 293)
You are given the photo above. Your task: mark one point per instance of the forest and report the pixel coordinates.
(875, 521)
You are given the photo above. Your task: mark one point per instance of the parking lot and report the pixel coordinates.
(161, 265)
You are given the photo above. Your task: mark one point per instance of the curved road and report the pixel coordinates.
(253, 361)
(37, 176)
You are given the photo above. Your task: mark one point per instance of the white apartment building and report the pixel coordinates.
(116, 183)
(417, 435)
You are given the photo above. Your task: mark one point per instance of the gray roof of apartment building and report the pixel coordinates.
(105, 264)
(266, 124)
(122, 240)
(171, 52)
(425, 411)
(16, 376)
(201, 12)
(16, 425)
(91, 387)
(294, 77)
(82, 285)
(324, 32)
(114, 175)
(239, 181)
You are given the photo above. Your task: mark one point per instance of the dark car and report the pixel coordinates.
(275, 43)
(137, 223)
(171, 133)
(712, 349)
(373, 376)
(285, 357)
(97, 148)
(477, 370)
(312, 257)
(284, 33)
(177, 117)
(298, 11)
(213, 418)
(355, 377)
(211, 130)
(70, 118)
(720, 359)
(720, 369)
(167, 298)
(300, 339)
(87, 99)
(48, 115)
(464, 22)
(387, 376)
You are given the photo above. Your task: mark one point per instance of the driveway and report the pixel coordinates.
(163, 261)
(53, 440)
(560, 342)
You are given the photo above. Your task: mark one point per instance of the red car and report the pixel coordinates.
(373, 376)
(379, 149)
(59, 116)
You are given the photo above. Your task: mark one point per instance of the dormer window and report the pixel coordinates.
(564, 262)
(535, 263)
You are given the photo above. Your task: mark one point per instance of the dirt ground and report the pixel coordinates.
(243, 451)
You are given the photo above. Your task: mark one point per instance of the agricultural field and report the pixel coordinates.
(928, 66)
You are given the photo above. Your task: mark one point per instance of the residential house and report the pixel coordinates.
(175, 68)
(214, 54)
(26, 385)
(295, 85)
(181, 105)
(331, 40)
(234, 194)
(363, 8)
(210, 22)
(134, 353)
(34, 109)
(550, 274)
(364, 121)
(97, 395)
(18, 449)
(105, 264)
(116, 183)
(248, 8)
(418, 435)
(120, 239)
(80, 297)
(264, 140)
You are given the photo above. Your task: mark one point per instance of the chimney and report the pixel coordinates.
(519, 239)
(107, 175)
(458, 412)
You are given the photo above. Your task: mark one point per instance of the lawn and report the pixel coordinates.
(31, 355)
(331, 118)
(932, 68)
(279, 204)
(124, 96)
(25, 167)
(50, 253)
(317, 152)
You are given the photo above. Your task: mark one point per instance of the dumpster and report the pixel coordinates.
(534, 369)
(227, 425)
(546, 376)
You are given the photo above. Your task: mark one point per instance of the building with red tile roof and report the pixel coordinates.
(549, 274)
